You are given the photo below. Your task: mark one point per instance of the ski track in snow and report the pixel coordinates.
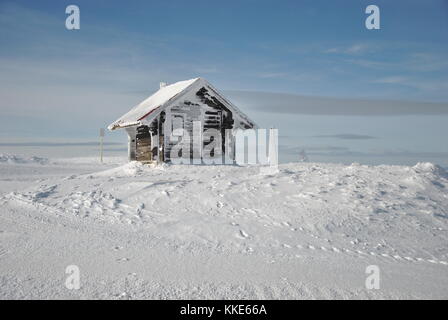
(373, 214)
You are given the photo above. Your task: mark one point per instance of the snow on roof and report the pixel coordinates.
(158, 99)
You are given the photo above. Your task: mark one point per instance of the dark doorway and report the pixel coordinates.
(143, 144)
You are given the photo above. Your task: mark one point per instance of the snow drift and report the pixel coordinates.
(352, 206)
(306, 216)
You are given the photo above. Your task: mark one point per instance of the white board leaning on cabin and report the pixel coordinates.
(153, 126)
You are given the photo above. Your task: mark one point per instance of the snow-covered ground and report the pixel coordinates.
(136, 231)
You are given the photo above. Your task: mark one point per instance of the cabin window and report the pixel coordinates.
(177, 123)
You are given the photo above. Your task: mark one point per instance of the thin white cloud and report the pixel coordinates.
(281, 103)
(373, 64)
(426, 62)
(269, 75)
(410, 62)
(393, 80)
(353, 49)
(423, 85)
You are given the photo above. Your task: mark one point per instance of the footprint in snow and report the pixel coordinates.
(123, 259)
(2, 251)
(243, 235)
(250, 210)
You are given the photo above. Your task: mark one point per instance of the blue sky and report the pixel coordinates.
(65, 84)
(305, 47)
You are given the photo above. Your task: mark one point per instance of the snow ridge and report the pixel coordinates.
(14, 159)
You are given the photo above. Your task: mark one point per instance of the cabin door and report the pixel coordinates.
(213, 120)
(143, 144)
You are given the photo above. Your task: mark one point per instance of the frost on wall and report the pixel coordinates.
(155, 137)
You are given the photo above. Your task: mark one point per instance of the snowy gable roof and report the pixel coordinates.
(158, 99)
(164, 97)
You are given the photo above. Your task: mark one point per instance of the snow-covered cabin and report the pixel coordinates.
(150, 124)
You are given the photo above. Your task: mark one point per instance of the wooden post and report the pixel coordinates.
(101, 144)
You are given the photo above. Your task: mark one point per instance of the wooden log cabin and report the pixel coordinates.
(151, 123)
